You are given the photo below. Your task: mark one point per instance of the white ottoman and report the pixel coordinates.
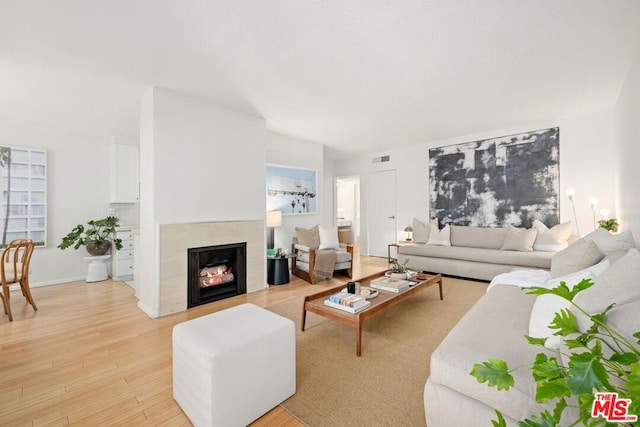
(233, 366)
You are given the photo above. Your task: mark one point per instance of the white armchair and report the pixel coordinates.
(318, 254)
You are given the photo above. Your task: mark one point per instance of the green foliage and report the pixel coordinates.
(610, 224)
(399, 268)
(98, 231)
(589, 368)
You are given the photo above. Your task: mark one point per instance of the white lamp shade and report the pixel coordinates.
(274, 218)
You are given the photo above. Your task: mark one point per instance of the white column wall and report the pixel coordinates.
(627, 133)
(200, 163)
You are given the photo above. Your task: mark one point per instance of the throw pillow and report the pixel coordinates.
(618, 284)
(308, 237)
(545, 309)
(421, 230)
(551, 239)
(439, 237)
(577, 256)
(608, 242)
(329, 238)
(546, 306)
(519, 239)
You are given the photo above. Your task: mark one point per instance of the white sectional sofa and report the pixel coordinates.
(496, 325)
(479, 252)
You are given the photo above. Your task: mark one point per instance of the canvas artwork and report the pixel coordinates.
(291, 190)
(511, 180)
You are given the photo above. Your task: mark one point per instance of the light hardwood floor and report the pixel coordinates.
(89, 356)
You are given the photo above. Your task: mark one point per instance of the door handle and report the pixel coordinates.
(392, 217)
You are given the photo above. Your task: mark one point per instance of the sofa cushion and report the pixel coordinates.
(519, 239)
(421, 230)
(577, 256)
(619, 284)
(477, 237)
(552, 239)
(328, 238)
(608, 242)
(439, 237)
(492, 256)
(493, 328)
(308, 237)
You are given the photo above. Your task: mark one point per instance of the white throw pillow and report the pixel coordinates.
(328, 238)
(577, 256)
(608, 242)
(439, 237)
(546, 306)
(552, 239)
(519, 239)
(421, 230)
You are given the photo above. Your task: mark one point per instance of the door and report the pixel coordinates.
(382, 212)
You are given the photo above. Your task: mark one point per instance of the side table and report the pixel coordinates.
(278, 269)
(394, 245)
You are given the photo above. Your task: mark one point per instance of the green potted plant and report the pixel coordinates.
(610, 224)
(94, 237)
(399, 271)
(590, 369)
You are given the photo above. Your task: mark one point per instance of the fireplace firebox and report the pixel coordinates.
(216, 272)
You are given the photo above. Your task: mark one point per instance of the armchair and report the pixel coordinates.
(318, 254)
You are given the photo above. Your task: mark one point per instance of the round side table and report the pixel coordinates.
(278, 269)
(97, 268)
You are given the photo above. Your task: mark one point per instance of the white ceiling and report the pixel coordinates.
(356, 75)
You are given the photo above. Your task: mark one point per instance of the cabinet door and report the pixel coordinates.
(125, 174)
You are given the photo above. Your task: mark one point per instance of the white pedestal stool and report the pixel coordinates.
(97, 268)
(233, 366)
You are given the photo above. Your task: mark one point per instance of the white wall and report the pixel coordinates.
(627, 132)
(77, 191)
(285, 150)
(586, 164)
(199, 163)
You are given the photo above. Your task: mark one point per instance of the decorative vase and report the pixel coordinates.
(398, 275)
(96, 250)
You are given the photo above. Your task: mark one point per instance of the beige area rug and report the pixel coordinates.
(384, 386)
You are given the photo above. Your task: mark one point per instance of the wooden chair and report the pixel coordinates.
(14, 269)
(303, 264)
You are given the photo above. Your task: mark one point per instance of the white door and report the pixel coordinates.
(382, 212)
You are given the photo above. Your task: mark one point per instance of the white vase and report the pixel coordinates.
(398, 275)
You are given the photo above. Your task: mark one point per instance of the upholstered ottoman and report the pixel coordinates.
(233, 366)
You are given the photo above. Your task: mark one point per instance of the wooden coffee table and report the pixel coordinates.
(315, 304)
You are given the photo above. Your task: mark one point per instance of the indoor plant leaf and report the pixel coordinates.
(500, 422)
(494, 372)
(545, 368)
(552, 389)
(545, 419)
(586, 372)
(565, 323)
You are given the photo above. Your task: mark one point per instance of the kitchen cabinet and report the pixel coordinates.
(125, 174)
(122, 263)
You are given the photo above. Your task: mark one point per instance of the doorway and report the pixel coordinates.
(348, 208)
(381, 216)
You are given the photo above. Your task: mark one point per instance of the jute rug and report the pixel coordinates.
(384, 386)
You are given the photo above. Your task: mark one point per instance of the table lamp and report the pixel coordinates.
(274, 219)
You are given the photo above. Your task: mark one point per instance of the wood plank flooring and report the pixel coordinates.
(89, 356)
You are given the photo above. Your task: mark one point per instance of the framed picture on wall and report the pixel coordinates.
(292, 190)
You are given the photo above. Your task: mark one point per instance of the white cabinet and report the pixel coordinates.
(125, 174)
(122, 263)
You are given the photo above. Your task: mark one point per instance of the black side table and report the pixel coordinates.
(278, 269)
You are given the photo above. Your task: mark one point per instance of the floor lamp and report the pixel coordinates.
(274, 219)
(571, 192)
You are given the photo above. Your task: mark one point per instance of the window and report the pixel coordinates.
(23, 213)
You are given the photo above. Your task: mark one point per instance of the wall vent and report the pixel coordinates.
(381, 159)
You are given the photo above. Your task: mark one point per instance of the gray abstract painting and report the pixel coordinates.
(495, 182)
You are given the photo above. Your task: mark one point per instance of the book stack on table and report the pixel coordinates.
(347, 302)
(389, 284)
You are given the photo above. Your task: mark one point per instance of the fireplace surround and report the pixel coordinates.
(174, 241)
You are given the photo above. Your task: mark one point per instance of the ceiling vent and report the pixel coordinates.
(381, 159)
